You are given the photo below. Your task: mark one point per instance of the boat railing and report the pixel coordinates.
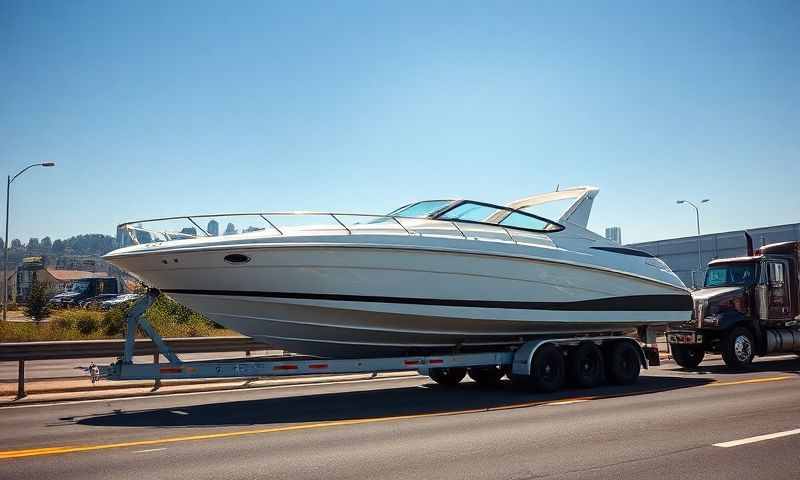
(284, 223)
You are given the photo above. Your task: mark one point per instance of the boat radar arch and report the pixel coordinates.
(576, 214)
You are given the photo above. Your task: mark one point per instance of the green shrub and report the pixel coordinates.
(86, 325)
(63, 323)
(37, 301)
(113, 321)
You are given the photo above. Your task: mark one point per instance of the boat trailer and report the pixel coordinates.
(516, 362)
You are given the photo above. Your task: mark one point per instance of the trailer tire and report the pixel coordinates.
(448, 377)
(585, 365)
(622, 363)
(488, 376)
(738, 348)
(547, 371)
(687, 356)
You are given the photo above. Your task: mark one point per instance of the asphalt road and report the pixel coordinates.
(664, 427)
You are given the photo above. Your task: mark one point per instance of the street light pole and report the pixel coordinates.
(699, 247)
(5, 242)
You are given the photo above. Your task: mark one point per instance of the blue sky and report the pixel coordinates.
(166, 108)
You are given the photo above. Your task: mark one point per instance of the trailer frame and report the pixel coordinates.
(518, 361)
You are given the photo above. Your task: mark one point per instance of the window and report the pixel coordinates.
(497, 215)
(520, 220)
(775, 274)
(470, 212)
(730, 275)
(420, 209)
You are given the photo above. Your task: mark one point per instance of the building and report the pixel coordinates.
(54, 280)
(614, 234)
(681, 254)
(213, 228)
(231, 229)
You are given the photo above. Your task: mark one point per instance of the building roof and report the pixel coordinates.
(71, 275)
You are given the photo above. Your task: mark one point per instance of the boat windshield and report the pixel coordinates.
(469, 211)
(741, 274)
(420, 209)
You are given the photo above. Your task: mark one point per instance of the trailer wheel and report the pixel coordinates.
(622, 363)
(486, 376)
(447, 377)
(687, 356)
(547, 372)
(585, 366)
(738, 348)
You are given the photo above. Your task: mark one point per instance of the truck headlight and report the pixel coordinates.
(712, 320)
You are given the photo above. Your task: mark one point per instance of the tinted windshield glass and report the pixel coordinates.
(730, 275)
(520, 220)
(477, 212)
(420, 209)
(471, 212)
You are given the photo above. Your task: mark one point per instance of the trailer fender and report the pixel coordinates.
(523, 357)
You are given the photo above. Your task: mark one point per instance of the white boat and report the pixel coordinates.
(433, 276)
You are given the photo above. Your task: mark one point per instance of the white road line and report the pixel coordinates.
(150, 450)
(179, 412)
(760, 438)
(230, 390)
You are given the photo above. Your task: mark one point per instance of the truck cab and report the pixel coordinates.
(748, 306)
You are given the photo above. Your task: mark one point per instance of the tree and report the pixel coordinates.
(16, 243)
(37, 301)
(46, 243)
(33, 244)
(2, 244)
(58, 247)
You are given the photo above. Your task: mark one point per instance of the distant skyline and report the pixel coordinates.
(155, 109)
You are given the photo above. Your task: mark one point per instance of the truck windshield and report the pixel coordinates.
(730, 275)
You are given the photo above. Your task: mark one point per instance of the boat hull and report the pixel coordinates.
(361, 300)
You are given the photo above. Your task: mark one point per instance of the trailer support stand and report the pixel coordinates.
(136, 318)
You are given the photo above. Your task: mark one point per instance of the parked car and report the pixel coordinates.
(84, 288)
(94, 302)
(123, 299)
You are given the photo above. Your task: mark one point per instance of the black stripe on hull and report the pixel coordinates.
(632, 303)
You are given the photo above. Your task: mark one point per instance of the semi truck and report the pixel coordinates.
(748, 306)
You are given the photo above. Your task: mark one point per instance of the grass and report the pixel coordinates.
(170, 319)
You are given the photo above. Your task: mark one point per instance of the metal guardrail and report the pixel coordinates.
(58, 350)
(113, 348)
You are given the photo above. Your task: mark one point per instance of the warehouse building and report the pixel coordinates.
(681, 253)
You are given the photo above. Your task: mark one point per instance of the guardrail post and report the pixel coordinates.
(157, 383)
(21, 380)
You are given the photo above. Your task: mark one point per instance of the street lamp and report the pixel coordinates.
(5, 244)
(699, 254)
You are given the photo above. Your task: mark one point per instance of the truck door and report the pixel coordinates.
(779, 307)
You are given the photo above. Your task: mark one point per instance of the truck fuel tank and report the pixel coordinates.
(783, 340)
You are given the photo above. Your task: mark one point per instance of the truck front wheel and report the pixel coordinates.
(687, 356)
(738, 348)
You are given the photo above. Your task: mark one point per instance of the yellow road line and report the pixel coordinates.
(35, 452)
(751, 380)
(570, 402)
